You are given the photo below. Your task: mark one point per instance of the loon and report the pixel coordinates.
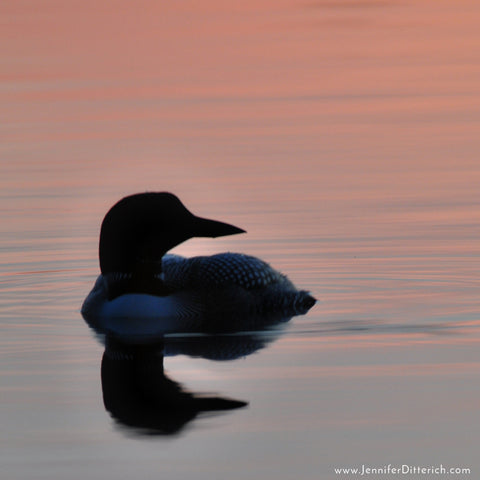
(143, 289)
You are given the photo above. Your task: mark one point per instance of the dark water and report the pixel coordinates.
(343, 136)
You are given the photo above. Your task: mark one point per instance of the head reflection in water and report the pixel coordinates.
(144, 297)
(139, 395)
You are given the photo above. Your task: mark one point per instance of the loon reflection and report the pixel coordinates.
(140, 396)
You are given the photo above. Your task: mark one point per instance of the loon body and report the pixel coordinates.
(142, 289)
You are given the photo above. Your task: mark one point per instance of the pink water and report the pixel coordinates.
(342, 135)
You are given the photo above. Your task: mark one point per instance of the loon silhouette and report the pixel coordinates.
(168, 293)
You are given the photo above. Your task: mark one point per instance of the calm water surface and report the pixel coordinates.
(343, 136)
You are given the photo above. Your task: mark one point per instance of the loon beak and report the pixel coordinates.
(203, 227)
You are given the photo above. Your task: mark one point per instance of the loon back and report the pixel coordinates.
(235, 282)
(221, 270)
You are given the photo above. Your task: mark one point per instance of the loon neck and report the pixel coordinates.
(119, 283)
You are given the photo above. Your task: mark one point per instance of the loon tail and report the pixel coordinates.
(289, 303)
(298, 303)
(304, 302)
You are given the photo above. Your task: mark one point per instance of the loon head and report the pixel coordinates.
(139, 229)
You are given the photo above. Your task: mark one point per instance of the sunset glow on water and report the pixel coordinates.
(343, 136)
